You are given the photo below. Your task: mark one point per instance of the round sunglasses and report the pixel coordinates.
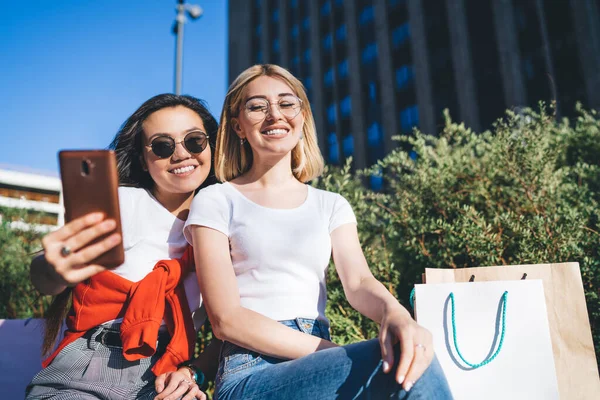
(164, 146)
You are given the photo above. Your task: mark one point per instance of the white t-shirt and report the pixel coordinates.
(279, 256)
(150, 234)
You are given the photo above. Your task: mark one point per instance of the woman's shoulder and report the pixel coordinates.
(216, 189)
(326, 195)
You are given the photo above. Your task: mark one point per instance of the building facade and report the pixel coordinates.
(38, 195)
(376, 68)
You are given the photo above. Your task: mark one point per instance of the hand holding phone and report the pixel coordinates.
(90, 185)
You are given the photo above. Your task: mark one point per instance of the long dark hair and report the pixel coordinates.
(127, 145)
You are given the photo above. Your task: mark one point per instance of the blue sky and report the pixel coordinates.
(72, 71)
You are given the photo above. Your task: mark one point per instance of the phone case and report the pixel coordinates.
(90, 183)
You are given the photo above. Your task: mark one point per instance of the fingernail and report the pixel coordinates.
(386, 366)
(409, 385)
(401, 379)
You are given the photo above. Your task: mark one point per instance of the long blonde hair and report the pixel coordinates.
(232, 159)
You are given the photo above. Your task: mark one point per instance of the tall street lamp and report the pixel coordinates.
(194, 11)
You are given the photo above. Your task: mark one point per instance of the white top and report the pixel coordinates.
(279, 256)
(150, 234)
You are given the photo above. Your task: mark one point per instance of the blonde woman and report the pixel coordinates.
(262, 242)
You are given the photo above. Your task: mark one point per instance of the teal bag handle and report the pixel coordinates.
(454, 335)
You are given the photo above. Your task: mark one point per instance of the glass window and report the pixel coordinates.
(331, 114)
(326, 9)
(409, 117)
(346, 106)
(348, 145)
(369, 53)
(374, 135)
(404, 75)
(376, 182)
(307, 55)
(334, 153)
(400, 35)
(328, 78)
(372, 91)
(327, 42)
(366, 16)
(306, 23)
(341, 33)
(308, 83)
(395, 3)
(343, 69)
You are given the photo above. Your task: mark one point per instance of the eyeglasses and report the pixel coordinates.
(164, 146)
(257, 109)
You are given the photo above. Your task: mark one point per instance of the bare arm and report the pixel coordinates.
(231, 321)
(51, 272)
(365, 294)
(369, 297)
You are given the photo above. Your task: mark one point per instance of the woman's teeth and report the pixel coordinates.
(275, 132)
(183, 170)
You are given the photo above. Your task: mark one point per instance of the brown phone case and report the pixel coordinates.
(90, 183)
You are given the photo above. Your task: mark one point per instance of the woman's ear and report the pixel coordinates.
(235, 125)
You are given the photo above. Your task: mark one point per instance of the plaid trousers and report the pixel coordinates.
(87, 369)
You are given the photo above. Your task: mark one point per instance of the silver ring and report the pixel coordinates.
(188, 382)
(421, 345)
(65, 251)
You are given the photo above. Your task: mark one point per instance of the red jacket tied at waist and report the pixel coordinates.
(143, 306)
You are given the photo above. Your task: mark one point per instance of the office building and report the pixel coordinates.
(376, 68)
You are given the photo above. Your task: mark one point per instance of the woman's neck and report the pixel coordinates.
(177, 204)
(270, 172)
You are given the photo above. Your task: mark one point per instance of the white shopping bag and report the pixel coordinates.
(501, 348)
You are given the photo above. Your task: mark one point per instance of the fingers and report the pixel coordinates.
(387, 349)
(159, 383)
(406, 356)
(423, 355)
(201, 395)
(75, 226)
(87, 235)
(89, 253)
(72, 267)
(177, 389)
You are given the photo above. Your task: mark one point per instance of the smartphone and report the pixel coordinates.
(90, 183)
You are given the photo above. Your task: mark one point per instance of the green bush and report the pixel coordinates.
(18, 298)
(526, 192)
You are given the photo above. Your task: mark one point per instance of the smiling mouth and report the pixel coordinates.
(273, 132)
(183, 170)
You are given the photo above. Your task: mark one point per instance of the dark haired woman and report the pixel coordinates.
(117, 339)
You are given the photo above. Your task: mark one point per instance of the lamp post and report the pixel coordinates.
(194, 12)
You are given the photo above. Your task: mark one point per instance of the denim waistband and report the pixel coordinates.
(308, 325)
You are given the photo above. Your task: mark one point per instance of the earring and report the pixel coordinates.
(242, 141)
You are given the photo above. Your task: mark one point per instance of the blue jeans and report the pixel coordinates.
(347, 372)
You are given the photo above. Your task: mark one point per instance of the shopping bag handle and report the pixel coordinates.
(490, 359)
